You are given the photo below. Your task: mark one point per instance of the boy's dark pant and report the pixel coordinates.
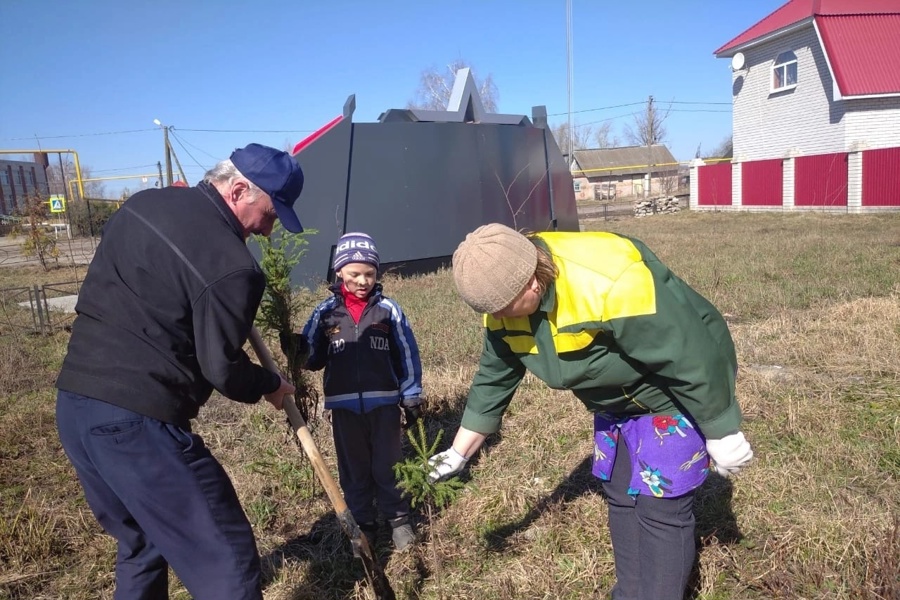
(653, 538)
(368, 447)
(156, 488)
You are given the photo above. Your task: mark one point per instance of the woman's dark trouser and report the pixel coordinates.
(653, 538)
(156, 488)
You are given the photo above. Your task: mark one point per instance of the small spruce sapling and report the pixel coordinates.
(412, 478)
(279, 308)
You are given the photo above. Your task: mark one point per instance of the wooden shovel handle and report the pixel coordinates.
(300, 428)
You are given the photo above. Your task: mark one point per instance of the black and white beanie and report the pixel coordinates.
(355, 248)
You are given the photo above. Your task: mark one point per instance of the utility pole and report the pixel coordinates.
(165, 129)
(168, 155)
(178, 162)
(570, 82)
(70, 202)
(651, 122)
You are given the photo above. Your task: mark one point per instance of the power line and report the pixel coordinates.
(631, 114)
(197, 148)
(74, 135)
(686, 102)
(595, 109)
(706, 110)
(622, 116)
(249, 130)
(643, 102)
(178, 139)
(122, 168)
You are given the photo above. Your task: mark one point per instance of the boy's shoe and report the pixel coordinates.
(370, 530)
(402, 533)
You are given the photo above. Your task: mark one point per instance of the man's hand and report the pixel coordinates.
(729, 454)
(276, 398)
(447, 463)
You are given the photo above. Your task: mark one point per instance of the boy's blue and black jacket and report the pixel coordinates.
(368, 364)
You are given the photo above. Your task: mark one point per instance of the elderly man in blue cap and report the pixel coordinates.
(162, 317)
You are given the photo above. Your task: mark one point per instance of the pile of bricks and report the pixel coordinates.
(656, 206)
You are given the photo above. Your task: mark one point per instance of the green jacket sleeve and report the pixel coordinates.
(499, 375)
(685, 340)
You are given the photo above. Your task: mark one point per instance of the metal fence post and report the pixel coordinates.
(47, 310)
(38, 309)
(32, 304)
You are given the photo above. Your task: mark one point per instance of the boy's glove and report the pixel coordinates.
(447, 463)
(295, 346)
(729, 454)
(412, 411)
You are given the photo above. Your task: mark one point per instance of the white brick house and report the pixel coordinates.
(818, 77)
(814, 113)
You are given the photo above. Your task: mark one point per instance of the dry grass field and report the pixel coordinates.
(814, 305)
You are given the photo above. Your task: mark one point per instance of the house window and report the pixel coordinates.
(577, 187)
(784, 72)
(4, 177)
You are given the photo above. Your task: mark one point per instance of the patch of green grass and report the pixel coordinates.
(292, 477)
(261, 511)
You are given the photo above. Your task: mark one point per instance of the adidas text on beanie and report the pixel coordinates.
(355, 248)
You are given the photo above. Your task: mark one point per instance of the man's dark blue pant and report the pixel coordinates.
(156, 488)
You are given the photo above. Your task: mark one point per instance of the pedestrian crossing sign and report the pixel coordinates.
(57, 204)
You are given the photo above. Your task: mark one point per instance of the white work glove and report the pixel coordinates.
(729, 454)
(447, 463)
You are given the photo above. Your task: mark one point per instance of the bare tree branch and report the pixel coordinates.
(506, 190)
(581, 136)
(92, 189)
(436, 85)
(602, 137)
(648, 128)
(725, 149)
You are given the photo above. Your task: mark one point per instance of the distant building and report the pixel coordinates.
(816, 113)
(18, 180)
(815, 77)
(609, 173)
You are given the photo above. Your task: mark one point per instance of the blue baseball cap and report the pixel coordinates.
(276, 173)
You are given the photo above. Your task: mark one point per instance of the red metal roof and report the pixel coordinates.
(861, 39)
(796, 11)
(790, 13)
(864, 52)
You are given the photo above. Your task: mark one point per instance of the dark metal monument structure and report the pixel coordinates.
(418, 181)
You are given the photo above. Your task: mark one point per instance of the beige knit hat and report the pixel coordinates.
(492, 265)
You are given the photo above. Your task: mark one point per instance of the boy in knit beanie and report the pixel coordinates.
(598, 313)
(373, 379)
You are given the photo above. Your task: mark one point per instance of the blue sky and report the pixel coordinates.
(76, 74)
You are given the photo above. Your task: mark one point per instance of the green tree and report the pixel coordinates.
(88, 217)
(38, 241)
(280, 307)
(412, 478)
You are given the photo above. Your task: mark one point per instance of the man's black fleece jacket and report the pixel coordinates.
(166, 308)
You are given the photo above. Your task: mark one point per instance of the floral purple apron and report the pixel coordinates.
(668, 455)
